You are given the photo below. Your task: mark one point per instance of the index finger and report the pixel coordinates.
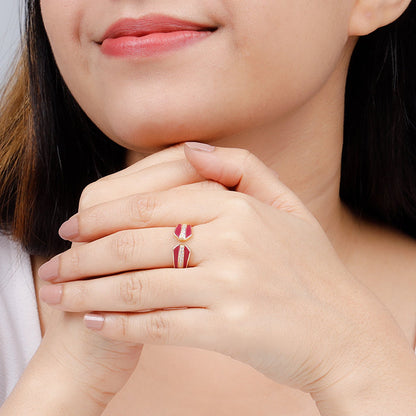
(155, 178)
(140, 161)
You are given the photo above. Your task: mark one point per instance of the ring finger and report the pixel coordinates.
(139, 249)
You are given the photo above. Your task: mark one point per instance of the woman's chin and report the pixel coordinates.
(145, 141)
(147, 133)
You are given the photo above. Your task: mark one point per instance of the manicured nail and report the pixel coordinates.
(202, 147)
(51, 294)
(94, 321)
(69, 229)
(49, 270)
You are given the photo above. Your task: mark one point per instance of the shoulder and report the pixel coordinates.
(385, 260)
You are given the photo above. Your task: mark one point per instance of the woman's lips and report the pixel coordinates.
(151, 35)
(152, 44)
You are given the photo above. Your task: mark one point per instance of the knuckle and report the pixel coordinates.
(92, 194)
(90, 219)
(131, 291)
(158, 327)
(231, 277)
(75, 297)
(231, 237)
(125, 245)
(122, 326)
(86, 197)
(234, 242)
(236, 283)
(237, 313)
(142, 209)
(73, 261)
(240, 206)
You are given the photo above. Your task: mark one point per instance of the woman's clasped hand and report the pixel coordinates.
(264, 284)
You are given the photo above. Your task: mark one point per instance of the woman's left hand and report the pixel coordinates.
(264, 284)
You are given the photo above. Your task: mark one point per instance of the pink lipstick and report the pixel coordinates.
(151, 35)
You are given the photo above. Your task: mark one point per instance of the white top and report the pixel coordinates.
(20, 333)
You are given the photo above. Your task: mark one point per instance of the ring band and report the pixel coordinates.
(181, 253)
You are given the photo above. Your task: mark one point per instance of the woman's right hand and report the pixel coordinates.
(85, 366)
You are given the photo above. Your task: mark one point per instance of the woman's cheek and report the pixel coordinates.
(270, 58)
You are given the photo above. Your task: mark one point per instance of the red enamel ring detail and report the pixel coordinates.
(183, 232)
(181, 255)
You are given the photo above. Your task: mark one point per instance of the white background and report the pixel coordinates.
(9, 33)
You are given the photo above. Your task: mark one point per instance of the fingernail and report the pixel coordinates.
(69, 229)
(51, 294)
(49, 270)
(202, 147)
(94, 321)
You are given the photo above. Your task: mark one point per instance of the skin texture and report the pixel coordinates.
(133, 102)
(280, 100)
(265, 243)
(269, 101)
(227, 303)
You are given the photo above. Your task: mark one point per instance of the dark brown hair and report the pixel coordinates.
(59, 152)
(50, 150)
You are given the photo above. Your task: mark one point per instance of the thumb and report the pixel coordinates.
(244, 172)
